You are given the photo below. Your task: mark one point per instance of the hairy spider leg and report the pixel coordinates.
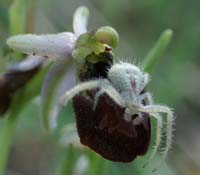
(77, 89)
(104, 85)
(152, 109)
(143, 83)
(159, 126)
(96, 98)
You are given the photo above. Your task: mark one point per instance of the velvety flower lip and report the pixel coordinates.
(67, 49)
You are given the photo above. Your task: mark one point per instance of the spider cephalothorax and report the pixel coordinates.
(123, 96)
(129, 82)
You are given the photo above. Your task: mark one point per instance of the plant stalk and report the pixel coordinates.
(154, 54)
(6, 136)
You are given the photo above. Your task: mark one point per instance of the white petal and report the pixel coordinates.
(60, 78)
(68, 82)
(49, 45)
(27, 64)
(80, 20)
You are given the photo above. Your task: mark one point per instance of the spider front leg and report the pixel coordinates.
(148, 97)
(111, 92)
(159, 126)
(96, 98)
(142, 97)
(152, 109)
(149, 101)
(158, 137)
(142, 83)
(79, 88)
(104, 85)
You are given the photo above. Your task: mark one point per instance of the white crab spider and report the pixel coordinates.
(125, 85)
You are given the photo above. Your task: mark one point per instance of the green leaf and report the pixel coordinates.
(33, 88)
(22, 97)
(157, 50)
(3, 16)
(69, 161)
(97, 165)
(18, 16)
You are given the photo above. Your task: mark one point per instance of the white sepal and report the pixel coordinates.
(49, 45)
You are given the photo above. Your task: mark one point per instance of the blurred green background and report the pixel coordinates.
(175, 80)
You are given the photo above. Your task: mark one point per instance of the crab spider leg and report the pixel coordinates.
(158, 137)
(111, 92)
(170, 118)
(96, 99)
(104, 85)
(149, 98)
(79, 88)
(144, 83)
(138, 120)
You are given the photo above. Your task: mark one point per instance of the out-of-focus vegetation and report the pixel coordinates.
(175, 79)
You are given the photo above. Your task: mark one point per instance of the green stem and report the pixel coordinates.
(97, 165)
(155, 53)
(67, 166)
(22, 98)
(6, 136)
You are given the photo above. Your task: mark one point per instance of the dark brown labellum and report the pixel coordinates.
(106, 132)
(14, 79)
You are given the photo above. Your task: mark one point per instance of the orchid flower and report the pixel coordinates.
(68, 50)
